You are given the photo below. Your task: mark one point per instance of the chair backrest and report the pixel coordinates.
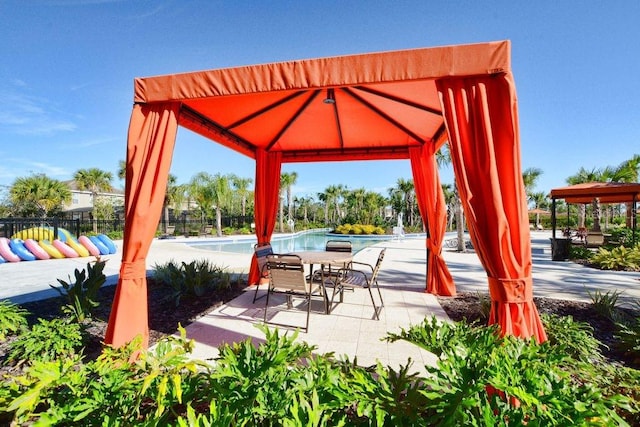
(262, 252)
(376, 268)
(338, 246)
(171, 229)
(286, 273)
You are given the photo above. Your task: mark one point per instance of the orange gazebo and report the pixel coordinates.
(390, 105)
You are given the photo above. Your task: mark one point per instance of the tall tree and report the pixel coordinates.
(407, 189)
(241, 187)
(630, 172)
(583, 176)
(443, 157)
(530, 177)
(222, 197)
(169, 195)
(122, 169)
(287, 181)
(38, 195)
(199, 190)
(95, 181)
(540, 201)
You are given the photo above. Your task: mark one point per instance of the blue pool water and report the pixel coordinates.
(310, 241)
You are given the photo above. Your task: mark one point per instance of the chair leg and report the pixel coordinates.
(373, 302)
(266, 306)
(379, 293)
(255, 294)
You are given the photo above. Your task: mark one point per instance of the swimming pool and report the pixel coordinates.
(305, 241)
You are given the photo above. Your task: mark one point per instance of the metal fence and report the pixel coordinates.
(11, 226)
(183, 225)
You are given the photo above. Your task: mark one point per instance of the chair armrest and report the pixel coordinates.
(364, 264)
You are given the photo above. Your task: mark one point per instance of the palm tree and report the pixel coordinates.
(287, 180)
(450, 198)
(530, 177)
(630, 170)
(407, 189)
(96, 181)
(169, 194)
(222, 196)
(443, 157)
(200, 192)
(583, 176)
(241, 187)
(539, 201)
(304, 203)
(38, 194)
(333, 194)
(122, 169)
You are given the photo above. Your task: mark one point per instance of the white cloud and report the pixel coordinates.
(28, 115)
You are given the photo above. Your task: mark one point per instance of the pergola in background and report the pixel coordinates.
(390, 105)
(605, 192)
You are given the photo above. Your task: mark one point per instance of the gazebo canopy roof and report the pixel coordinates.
(606, 192)
(357, 107)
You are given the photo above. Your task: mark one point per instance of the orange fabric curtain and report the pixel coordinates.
(266, 192)
(152, 135)
(482, 121)
(431, 203)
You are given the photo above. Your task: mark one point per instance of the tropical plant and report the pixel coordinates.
(618, 258)
(13, 319)
(81, 294)
(47, 340)
(212, 193)
(605, 303)
(96, 181)
(38, 195)
(241, 188)
(287, 181)
(193, 279)
(576, 338)
(493, 379)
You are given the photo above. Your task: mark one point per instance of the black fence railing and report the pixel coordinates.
(182, 225)
(11, 226)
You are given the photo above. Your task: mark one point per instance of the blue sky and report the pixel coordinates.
(67, 70)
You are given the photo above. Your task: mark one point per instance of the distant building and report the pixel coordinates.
(82, 200)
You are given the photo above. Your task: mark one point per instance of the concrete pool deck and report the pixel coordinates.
(349, 329)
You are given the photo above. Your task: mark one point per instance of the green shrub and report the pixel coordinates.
(13, 319)
(576, 338)
(484, 379)
(46, 341)
(580, 253)
(81, 295)
(618, 258)
(357, 229)
(481, 379)
(193, 279)
(628, 337)
(115, 235)
(605, 303)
